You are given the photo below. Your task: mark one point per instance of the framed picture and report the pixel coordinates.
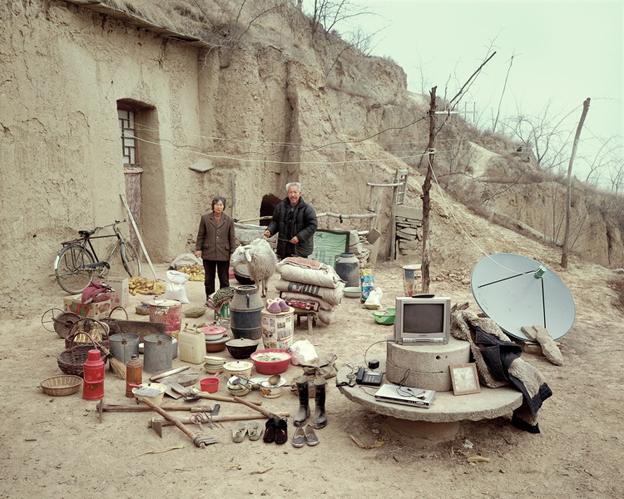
(464, 378)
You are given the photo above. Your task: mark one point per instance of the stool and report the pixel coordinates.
(310, 317)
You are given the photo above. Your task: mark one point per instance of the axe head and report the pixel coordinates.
(156, 426)
(215, 410)
(99, 408)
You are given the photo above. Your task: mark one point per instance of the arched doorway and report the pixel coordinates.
(267, 206)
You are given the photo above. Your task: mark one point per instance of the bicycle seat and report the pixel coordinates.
(86, 233)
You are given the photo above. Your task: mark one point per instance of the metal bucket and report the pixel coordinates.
(157, 353)
(167, 312)
(245, 308)
(124, 345)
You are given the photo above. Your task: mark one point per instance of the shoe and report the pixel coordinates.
(303, 412)
(239, 432)
(310, 436)
(269, 431)
(320, 418)
(281, 432)
(254, 431)
(298, 439)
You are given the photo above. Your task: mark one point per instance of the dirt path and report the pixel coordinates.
(54, 447)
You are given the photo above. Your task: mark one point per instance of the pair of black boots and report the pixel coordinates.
(319, 420)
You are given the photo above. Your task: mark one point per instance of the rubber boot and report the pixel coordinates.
(304, 405)
(320, 419)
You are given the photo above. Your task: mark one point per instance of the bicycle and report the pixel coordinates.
(77, 261)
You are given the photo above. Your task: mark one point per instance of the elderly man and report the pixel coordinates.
(295, 221)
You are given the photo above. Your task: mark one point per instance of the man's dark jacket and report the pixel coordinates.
(299, 221)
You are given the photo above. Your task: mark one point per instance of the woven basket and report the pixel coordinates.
(60, 386)
(85, 331)
(70, 361)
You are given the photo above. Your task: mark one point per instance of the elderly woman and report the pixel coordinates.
(215, 244)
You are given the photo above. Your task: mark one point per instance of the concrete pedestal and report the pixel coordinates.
(425, 365)
(446, 412)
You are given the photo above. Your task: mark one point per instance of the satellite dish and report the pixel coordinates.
(516, 291)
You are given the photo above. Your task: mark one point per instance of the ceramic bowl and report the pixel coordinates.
(216, 346)
(237, 368)
(352, 292)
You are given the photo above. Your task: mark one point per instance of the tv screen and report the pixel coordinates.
(423, 317)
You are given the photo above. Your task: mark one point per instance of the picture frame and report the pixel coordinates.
(464, 378)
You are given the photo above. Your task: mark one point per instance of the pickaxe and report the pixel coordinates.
(198, 439)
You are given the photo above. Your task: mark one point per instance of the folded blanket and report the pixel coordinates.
(309, 305)
(325, 276)
(323, 305)
(332, 296)
(499, 363)
(302, 262)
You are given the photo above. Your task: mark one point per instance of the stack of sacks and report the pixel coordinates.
(310, 285)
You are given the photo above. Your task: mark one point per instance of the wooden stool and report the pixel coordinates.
(310, 317)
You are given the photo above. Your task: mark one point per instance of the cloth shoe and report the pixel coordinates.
(238, 433)
(254, 431)
(281, 432)
(303, 412)
(269, 431)
(299, 439)
(310, 435)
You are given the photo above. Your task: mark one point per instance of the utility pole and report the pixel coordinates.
(566, 235)
(426, 187)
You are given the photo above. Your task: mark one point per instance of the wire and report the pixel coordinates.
(373, 344)
(269, 161)
(449, 212)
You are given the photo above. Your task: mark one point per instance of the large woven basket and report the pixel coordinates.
(70, 361)
(60, 386)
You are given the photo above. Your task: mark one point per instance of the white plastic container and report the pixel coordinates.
(191, 346)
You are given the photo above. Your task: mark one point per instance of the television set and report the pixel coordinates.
(422, 319)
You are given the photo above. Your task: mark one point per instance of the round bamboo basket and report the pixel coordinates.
(60, 386)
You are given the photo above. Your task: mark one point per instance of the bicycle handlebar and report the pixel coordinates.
(114, 224)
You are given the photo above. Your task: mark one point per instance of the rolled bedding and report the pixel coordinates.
(324, 276)
(323, 305)
(333, 296)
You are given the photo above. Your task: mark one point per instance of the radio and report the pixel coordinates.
(366, 377)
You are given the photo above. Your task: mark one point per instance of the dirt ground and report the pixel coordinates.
(55, 447)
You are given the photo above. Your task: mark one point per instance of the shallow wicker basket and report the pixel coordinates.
(70, 361)
(60, 386)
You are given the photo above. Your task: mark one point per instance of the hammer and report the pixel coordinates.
(157, 424)
(101, 407)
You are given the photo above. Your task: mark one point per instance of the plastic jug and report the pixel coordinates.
(191, 346)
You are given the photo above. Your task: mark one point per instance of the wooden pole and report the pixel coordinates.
(426, 198)
(136, 230)
(566, 234)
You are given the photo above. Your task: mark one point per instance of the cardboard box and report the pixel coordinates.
(121, 291)
(98, 310)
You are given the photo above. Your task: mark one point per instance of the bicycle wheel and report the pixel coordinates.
(69, 268)
(130, 259)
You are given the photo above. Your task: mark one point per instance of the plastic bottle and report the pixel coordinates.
(191, 346)
(134, 374)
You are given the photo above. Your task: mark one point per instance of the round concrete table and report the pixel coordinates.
(446, 411)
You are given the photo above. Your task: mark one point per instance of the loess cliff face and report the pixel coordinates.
(256, 96)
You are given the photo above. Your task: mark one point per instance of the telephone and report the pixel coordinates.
(366, 377)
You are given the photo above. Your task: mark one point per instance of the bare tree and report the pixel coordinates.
(327, 14)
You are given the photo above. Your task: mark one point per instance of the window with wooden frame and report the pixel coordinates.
(127, 125)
